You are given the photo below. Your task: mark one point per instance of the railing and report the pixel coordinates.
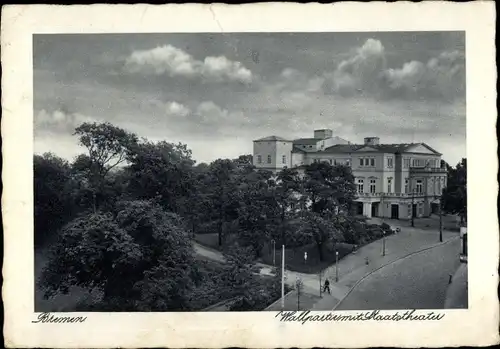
(404, 195)
(428, 169)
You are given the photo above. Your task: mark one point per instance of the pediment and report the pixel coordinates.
(421, 148)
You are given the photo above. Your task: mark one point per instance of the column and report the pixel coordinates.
(367, 209)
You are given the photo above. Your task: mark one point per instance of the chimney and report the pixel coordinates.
(372, 141)
(323, 134)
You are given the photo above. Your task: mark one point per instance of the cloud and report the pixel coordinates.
(442, 77)
(59, 121)
(177, 109)
(366, 73)
(173, 61)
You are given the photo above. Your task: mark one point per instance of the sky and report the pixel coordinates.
(218, 92)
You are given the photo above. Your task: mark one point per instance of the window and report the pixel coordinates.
(316, 160)
(406, 163)
(407, 185)
(390, 162)
(269, 159)
(283, 159)
(360, 185)
(361, 162)
(372, 162)
(335, 162)
(259, 159)
(331, 161)
(419, 186)
(389, 185)
(348, 162)
(373, 186)
(439, 190)
(420, 208)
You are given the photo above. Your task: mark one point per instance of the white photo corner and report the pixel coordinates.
(265, 175)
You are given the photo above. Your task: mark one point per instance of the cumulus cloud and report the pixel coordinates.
(442, 77)
(59, 121)
(177, 109)
(366, 73)
(173, 61)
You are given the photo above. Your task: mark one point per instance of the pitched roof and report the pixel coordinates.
(298, 150)
(384, 148)
(272, 138)
(343, 148)
(307, 141)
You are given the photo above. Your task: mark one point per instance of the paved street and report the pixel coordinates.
(397, 280)
(418, 281)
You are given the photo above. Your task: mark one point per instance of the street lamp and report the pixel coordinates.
(412, 205)
(383, 242)
(273, 243)
(336, 266)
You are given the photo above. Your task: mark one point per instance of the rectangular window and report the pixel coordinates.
(390, 162)
(269, 159)
(361, 162)
(259, 159)
(389, 185)
(419, 187)
(372, 162)
(373, 187)
(283, 159)
(348, 162)
(360, 185)
(406, 163)
(407, 186)
(331, 161)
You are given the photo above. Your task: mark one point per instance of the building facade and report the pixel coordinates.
(393, 180)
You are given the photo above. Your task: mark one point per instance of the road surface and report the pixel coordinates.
(419, 281)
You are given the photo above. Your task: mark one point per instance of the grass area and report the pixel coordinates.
(294, 257)
(210, 240)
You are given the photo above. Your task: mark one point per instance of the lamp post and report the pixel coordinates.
(336, 266)
(412, 205)
(283, 278)
(383, 242)
(273, 243)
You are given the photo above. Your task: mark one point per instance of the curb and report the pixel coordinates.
(389, 263)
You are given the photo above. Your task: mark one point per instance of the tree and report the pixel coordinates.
(320, 230)
(455, 194)
(257, 214)
(139, 259)
(162, 171)
(53, 202)
(221, 186)
(108, 146)
(330, 189)
(287, 197)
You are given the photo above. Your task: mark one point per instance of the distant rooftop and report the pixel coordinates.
(306, 141)
(386, 148)
(272, 138)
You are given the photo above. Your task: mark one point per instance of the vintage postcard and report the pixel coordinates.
(257, 176)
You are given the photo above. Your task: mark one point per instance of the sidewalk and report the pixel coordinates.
(353, 268)
(457, 294)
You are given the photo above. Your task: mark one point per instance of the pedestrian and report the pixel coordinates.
(327, 286)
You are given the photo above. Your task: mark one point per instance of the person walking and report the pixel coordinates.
(327, 286)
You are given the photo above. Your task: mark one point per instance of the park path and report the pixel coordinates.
(358, 265)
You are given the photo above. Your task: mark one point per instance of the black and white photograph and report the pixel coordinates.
(268, 175)
(250, 171)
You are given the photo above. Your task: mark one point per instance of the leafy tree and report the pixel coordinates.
(320, 230)
(53, 202)
(287, 197)
(139, 259)
(455, 194)
(108, 146)
(221, 187)
(256, 215)
(330, 189)
(161, 171)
